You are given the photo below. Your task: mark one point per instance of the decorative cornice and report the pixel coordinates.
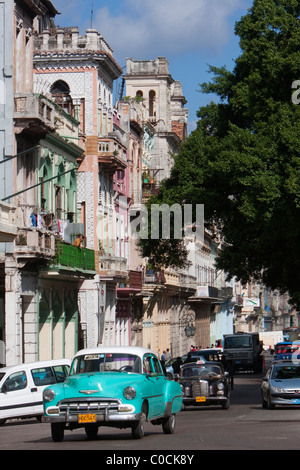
(88, 55)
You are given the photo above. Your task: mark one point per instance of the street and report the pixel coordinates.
(245, 426)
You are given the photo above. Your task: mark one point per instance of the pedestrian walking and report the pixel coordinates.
(168, 354)
(176, 365)
(163, 362)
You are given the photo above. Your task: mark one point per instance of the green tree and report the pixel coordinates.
(243, 160)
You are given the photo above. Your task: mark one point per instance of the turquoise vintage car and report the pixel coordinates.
(112, 386)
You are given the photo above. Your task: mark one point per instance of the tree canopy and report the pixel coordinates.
(243, 160)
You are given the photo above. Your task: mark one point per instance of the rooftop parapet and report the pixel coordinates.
(68, 39)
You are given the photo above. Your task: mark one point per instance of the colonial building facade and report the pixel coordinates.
(73, 161)
(80, 70)
(40, 273)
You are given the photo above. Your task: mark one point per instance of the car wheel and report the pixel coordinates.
(2, 421)
(226, 404)
(169, 424)
(91, 431)
(270, 405)
(263, 402)
(57, 432)
(138, 428)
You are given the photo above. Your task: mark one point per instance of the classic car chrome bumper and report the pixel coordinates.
(93, 411)
(203, 400)
(99, 418)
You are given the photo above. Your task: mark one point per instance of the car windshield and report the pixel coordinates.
(121, 362)
(232, 342)
(286, 372)
(200, 370)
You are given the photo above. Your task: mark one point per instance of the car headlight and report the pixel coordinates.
(129, 393)
(279, 390)
(48, 394)
(220, 386)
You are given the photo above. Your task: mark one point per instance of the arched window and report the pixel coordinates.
(139, 96)
(60, 92)
(152, 111)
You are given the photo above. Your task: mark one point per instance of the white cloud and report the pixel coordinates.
(147, 29)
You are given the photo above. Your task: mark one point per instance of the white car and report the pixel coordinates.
(22, 386)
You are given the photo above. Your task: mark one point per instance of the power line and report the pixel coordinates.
(38, 184)
(18, 154)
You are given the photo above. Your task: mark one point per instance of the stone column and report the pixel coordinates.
(13, 324)
(46, 36)
(60, 38)
(75, 35)
(92, 39)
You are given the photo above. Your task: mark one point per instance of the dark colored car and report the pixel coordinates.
(209, 354)
(205, 383)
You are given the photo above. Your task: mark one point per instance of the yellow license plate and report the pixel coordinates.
(200, 399)
(87, 418)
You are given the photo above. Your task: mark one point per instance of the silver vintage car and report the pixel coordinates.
(281, 385)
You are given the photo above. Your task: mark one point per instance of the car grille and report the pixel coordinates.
(238, 355)
(79, 405)
(200, 388)
(290, 394)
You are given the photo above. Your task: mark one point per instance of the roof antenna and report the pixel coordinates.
(92, 12)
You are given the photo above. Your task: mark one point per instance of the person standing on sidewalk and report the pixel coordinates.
(168, 354)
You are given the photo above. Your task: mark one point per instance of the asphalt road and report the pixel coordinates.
(245, 426)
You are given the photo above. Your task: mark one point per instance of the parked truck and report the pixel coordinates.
(242, 351)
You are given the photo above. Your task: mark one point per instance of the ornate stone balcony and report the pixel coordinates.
(32, 242)
(112, 267)
(37, 115)
(111, 154)
(8, 227)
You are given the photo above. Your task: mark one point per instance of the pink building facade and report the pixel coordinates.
(77, 72)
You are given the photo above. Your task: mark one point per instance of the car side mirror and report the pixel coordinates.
(3, 389)
(265, 379)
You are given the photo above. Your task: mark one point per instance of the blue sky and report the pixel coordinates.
(190, 33)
